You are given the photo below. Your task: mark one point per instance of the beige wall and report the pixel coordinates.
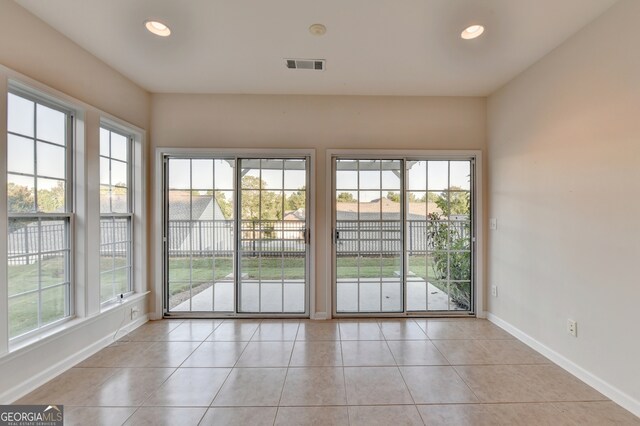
(33, 48)
(564, 184)
(320, 122)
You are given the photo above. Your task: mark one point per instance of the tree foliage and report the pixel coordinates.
(20, 198)
(345, 197)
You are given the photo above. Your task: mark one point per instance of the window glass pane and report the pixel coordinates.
(438, 176)
(51, 125)
(22, 271)
(460, 175)
(20, 194)
(294, 174)
(20, 115)
(202, 174)
(120, 200)
(224, 174)
(23, 314)
(417, 175)
(119, 147)
(104, 142)
(51, 160)
(54, 304)
(272, 174)
(369, 174)
(52, 268)
(53, 235)
(105, 199)
(179, 174)
(20, 154)
(104, 171)
(51, 195)
(119, 173)
(224, 205)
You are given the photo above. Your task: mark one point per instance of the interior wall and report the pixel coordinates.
(563, 151)
(35, 50)
(320, 122)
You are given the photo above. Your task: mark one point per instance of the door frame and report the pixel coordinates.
(160, 268)
(477, 226)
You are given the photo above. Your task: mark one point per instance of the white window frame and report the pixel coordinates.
(86, 217)
(68, 215)
(128, 215)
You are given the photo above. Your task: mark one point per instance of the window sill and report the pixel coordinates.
(21, 346)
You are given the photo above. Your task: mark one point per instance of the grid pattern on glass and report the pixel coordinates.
(368, 236)
(39, 210)
(438, 230)
(273, 228)
(116, 215)
(200, 235)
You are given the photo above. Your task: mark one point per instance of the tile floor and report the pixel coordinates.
(349, 372)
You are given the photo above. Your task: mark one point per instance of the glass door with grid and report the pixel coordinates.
(403, 236)
(236, 235)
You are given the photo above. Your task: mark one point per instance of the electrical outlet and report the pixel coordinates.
(134, 312)
(493, 223)
(572, 327)
(494, 290)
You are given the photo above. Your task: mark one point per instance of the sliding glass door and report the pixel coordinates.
(403, 235)
(236, 235)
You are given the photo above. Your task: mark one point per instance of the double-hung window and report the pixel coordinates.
(40, 213)
(116, 214)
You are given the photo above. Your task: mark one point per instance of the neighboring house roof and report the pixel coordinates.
(196, 207)
(298, 215)
(390, 210)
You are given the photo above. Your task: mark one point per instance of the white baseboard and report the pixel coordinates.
(58, 368)
(319, 316)
(610, 391)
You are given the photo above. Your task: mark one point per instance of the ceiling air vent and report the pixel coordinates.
(306, 64)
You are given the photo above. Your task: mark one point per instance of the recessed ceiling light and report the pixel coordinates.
(157, 28)
(472, 31)
(318, 29)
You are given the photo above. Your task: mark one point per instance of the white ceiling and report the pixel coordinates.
(372, 47)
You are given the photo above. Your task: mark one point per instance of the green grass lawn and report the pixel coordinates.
(23, 310)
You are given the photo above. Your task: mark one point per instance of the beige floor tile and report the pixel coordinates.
(366, 353)
(166, 416)
(464, 329)
(436, 384)
(153, 331)
(276, 331)
(360, 330)
(128, 387)
(397, 415)
(414, 352)
(190, 331)
(478, 352)
(240, 416)
(69, 388)
(97, 416)
(118, 354)
(190, 387)
(595, 414)
(375, 385)
(215, 354)
(525, 383)
(234, 331)
(314, 386)
(318, 330)
(163, 354)
(316, 354)
(312, 416)
(251, 387)
(266, 354)
(491, 415)
(402, 330)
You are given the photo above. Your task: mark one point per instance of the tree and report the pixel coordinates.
(226, 206)
(19, 198)
(395, 197)
(52, 200)
(453, 202)
(296, 200)
(345, 197)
